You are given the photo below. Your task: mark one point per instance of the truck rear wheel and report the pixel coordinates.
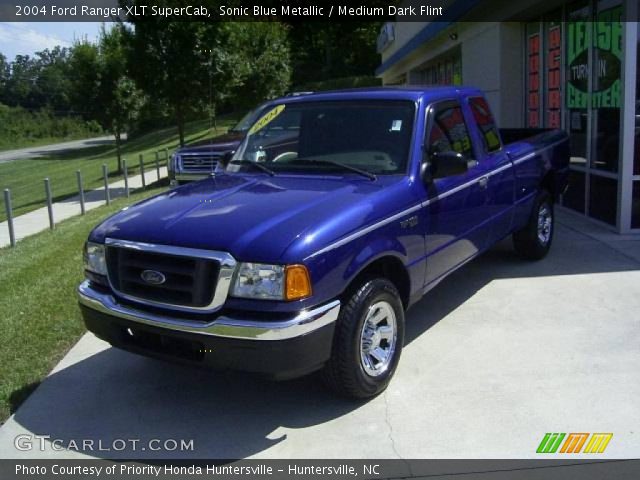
(534, 240)
(368, 341)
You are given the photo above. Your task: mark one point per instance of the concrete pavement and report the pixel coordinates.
(44, 150)
(497, 355)
(38, 220)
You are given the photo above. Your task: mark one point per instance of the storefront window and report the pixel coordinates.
(577, 55)
(606, 88)
(444, 71)
(603, 198)
(635, 203)
(635, 206)
(636, 164)
(574, 197)
(593, 66)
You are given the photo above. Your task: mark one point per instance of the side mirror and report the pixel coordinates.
(447, 164)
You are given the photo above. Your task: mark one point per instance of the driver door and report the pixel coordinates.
(456, 211)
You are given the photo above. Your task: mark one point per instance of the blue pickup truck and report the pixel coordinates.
(336, 213)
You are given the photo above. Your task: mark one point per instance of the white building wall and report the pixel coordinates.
(512, 81)
(491, 60)
(481, 63)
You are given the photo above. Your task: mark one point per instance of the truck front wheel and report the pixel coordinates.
(534, 240)
(368, 341)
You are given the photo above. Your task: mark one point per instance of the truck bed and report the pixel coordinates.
(550, 146)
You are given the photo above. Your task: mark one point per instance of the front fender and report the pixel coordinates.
(334, 270)
(379, 248)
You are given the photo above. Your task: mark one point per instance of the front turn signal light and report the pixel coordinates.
(298, 283)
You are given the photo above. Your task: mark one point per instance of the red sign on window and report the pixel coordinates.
(553, 77)
(533, 83)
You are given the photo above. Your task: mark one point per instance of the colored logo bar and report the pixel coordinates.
(574, 442)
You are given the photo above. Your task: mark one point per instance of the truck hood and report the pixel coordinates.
(255, 217)
(228, 141)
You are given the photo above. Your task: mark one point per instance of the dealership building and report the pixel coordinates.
(545, 64)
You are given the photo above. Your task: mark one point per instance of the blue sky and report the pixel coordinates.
(25, 38)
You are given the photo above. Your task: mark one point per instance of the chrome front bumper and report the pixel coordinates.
(305, 321)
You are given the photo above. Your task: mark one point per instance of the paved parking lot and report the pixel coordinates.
(497, 355)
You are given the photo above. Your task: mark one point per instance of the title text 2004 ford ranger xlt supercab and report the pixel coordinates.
(336, 213)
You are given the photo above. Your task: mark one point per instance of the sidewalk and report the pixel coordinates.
(38, 220)
(44, 150)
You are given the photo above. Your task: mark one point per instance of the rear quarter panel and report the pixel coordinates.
(539, 161)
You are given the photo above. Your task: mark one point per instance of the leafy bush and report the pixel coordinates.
(20, 127)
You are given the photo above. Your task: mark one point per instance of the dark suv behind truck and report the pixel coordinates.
(197, 160)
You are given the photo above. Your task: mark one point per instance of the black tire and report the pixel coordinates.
(345, 372)
(533, 242)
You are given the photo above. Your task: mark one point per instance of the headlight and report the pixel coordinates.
(271, 282)
(94, 258)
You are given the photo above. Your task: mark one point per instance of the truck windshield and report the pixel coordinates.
(248, 120)
(317, 137)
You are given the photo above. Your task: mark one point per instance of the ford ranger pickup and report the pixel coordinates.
(336, 213)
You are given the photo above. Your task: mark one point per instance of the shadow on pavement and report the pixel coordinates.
(90, 149)
(572, 253)
(114, 394)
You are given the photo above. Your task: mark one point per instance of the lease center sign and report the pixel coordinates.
(604, 66)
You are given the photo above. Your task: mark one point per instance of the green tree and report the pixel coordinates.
(52, 79)
(39, 81)
(117, 96)
(265, 48)
(85, 79)
(4, 76)
(20, 85)
(168, 62)
(192, 66)
(327, 50)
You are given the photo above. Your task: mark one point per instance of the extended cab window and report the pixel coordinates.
(372, 136)
(486, 124)
(449, 131)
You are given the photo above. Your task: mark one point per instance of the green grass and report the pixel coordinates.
(39, 317)
(25, 177)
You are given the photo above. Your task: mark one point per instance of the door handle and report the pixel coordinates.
(483, 182)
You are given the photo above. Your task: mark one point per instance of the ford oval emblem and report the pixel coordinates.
(153, 277)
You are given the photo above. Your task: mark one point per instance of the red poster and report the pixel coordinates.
(533, 83)
(554, 100)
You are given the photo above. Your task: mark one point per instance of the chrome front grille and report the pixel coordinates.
(171, 277)
(199, 162)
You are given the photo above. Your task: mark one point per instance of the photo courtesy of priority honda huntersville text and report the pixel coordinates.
(336, 212)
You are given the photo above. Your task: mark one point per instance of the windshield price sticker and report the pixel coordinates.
(266, 119)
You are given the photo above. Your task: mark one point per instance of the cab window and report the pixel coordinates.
(449, 131)
(486, 124)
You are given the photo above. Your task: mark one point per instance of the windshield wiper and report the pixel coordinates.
(364, 173)
(259, 166)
